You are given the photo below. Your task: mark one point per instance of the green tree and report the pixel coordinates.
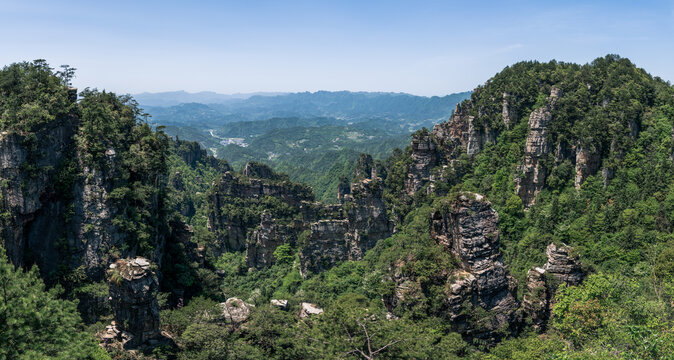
(35, 323)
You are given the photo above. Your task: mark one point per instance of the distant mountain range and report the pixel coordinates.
(171, 98)
(216, 110)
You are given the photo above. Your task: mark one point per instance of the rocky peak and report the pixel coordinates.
(468, 228)
(533, 172)
(331, 241)
(133, 292)
(424, 158)
(561, 268)
(563, 265)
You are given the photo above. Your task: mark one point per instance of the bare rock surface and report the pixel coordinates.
(532, 175)
(562, 267)
(309, 310)
(133, 292)
(468, 228)
(235, 310)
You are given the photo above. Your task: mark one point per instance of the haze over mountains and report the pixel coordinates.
(314, 137)
(170, 98)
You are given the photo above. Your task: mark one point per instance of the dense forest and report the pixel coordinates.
(536, 223)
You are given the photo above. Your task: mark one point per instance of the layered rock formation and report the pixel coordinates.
(133, 292)
(533, 172)
(265, 239)
(448, 140)
(588, 161)
(468, 228)
(424, 159)
(230, 227)
(335, 240)
(561, 268)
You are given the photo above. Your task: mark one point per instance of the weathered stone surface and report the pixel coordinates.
(308, 310)
(508, 113)
(133, 292)
(328, 243)
(281, 304)
(366, 222)
(34, 206)
(447, 141)
(588, 161)
(231, 231)
(468, 228)
(424, 158)
(563, 265)
(265, 240)
(235, 310)
(542, 283)
(532, 178)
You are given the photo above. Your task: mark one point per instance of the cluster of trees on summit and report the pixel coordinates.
(622, 229)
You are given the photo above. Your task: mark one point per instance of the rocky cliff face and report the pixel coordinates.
(366, 222)
(533, 172)
(265, 239)
(447, 141)
(424, 159)
(561, 268)
(588, 161)
(230, 227)
(508, 112)
(30, 202)
(133, 292)
(469, 230)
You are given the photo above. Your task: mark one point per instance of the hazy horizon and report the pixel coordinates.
(428, 48)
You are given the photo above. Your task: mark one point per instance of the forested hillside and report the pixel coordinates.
(535, 223)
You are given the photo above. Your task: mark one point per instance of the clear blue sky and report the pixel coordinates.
(420, 47)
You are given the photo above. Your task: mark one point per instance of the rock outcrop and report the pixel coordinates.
(280, 304)
(309, 310)
(28, 170)
(561, 268)
(231, 228)
(133, 292)
(588, 161)
(508, 113)
(448, 140)
(265, 239)
(335, 240)
(532, 175)
(468, 228)
(424, 159)
(562, 265)
(235, 311)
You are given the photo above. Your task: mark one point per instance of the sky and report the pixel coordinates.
(418, 47)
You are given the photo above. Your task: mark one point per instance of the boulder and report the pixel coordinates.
(235, 310)
(308, 310)
(281, 304)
